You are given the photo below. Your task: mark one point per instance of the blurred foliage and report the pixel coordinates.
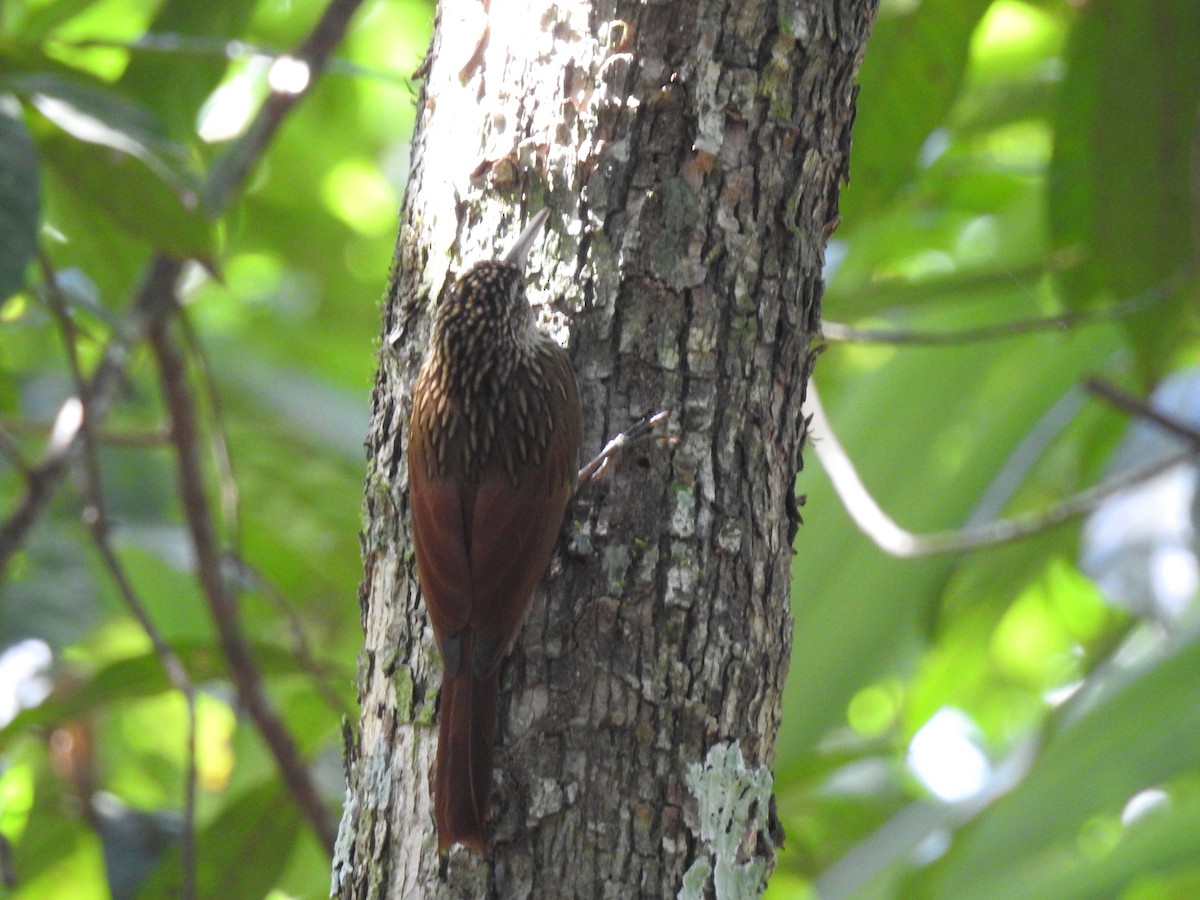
(985, 724)
(112, 113)
(1011, 160)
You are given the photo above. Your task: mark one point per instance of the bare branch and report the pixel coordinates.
(838, 332)
(148, 315)
(889, 537)
(153, 301)
(229, 493)
(1143, 410)
(223, 607)
(231, 171)
(8, 875)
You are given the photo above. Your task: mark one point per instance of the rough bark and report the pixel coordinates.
(691, 154)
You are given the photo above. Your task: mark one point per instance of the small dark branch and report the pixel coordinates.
(639, 431)
(177, 673)
(230, 495)
(1142, 410)
(154, 300)
(96, 517)
(70, 340)
(231, 171)
(300, 645)
(41, 483)
(8, 875)
(837, 332)
(223, 607)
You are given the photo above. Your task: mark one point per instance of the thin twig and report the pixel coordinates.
(153, 301)
(300, 644)
(838, 332)
(222, 605)
(96, 517)
(229, 493)
(152, 307)
(8, 875)
(1142, 410)
(883, 531)
(595, 469)
(10, 425)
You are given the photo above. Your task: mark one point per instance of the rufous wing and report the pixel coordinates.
(514, 524)
(440, 544)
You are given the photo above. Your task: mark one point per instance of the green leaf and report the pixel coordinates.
(110, 257)
(1135, 736)
(910, 77)
(175, 85)
(243, 852)
(37, 22)
(133, 195)
(20, 198)
(861, 614)
(1166, 840)
(1120, 194)
(93, 111)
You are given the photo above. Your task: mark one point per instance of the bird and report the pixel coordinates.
(493, 448)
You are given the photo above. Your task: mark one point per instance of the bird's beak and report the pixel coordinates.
(520, 248)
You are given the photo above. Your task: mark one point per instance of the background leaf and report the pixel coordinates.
(1120, 193)
(20, 199)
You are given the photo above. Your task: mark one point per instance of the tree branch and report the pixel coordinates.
(228, 491)
(149, 315)
(892, 539)
(224, 609)
(838, 332)
(153, 301)
(231, 171)
(1142, 410)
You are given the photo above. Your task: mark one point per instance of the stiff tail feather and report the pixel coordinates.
(462, 787)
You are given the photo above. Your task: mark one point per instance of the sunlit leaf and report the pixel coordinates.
(136, 678)
(174, 85)
(91, 111)
(1134, 737)
(38, 20)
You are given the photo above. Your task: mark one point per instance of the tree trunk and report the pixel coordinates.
(691, 156)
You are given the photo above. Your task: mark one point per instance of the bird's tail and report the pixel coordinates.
(462, 786)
